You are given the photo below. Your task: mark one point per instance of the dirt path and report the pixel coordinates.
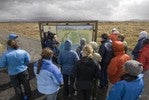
(31, 45)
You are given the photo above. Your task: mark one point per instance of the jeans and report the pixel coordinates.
(68, 85)
(17, 80)
(85, 94)
(103, 76)
(51, 96)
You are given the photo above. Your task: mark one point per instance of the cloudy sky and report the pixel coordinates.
(117, 10)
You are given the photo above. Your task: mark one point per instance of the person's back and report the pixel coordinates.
(115, 69)
(67, 58)
(131, 85)
(49, 77)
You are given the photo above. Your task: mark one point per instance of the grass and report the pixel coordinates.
(129, 29)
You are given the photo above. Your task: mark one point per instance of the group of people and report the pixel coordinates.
(83, 70)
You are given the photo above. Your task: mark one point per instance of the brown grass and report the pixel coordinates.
(129, 29)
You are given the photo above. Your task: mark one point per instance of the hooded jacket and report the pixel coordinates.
(49, 78)
(115, 69)
(124, 90)
(144, 57)
(15, 60)
(67, 58)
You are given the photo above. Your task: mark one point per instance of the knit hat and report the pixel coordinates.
(115, 31)
(143, 34)
(133, 67)
(12, 36)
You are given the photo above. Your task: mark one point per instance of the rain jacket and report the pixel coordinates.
(15, 60)
(144, 57)
(67, 58)
(115, 69)
(49, 78)
(124, 90)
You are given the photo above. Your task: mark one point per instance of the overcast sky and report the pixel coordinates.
(118, 10)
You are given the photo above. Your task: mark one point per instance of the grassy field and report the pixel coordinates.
(129, 29)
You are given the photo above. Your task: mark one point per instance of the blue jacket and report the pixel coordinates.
(49, 78)
(137, 48)
(15, 60)
(67, 58)
(124, 90)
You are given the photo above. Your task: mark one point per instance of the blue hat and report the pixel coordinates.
(12, 36)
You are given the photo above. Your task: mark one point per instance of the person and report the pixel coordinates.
(121, 38)
(106, 52)
(97, 59)
(85, 71)
(51, 42)
(67, 59)
(16, 60)
(114, 35)
(49, 77)
(79, 48)
(131, 84)
(135, 52)
(144, 59)
(144, 55)
(115, 69)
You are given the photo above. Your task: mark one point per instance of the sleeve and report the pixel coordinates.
(102, 51)
(57, 76)
(116, 92)
(27, 58)
(112, 67)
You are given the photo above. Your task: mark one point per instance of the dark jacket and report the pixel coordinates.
(85, 71)
(137, 48)
(106, 52)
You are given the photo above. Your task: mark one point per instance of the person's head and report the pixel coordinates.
(121, 37)
(143, 34)
(67, 45)
(12, 36)
(87, 51)
(115, 31)
(82, 41)
(133, 67)
(12, 44)
(104, 36)
(146, 41)
(94, 45)
(47, 53)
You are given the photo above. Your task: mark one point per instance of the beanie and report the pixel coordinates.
(133, 67)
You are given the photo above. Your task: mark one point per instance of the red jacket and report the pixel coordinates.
(115, 68)
(144, 57)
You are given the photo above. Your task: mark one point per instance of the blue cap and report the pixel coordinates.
(12, 36)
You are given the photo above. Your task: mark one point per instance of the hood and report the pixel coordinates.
(67, 45)
(82, 41)
(12, 36)
(118, 47)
